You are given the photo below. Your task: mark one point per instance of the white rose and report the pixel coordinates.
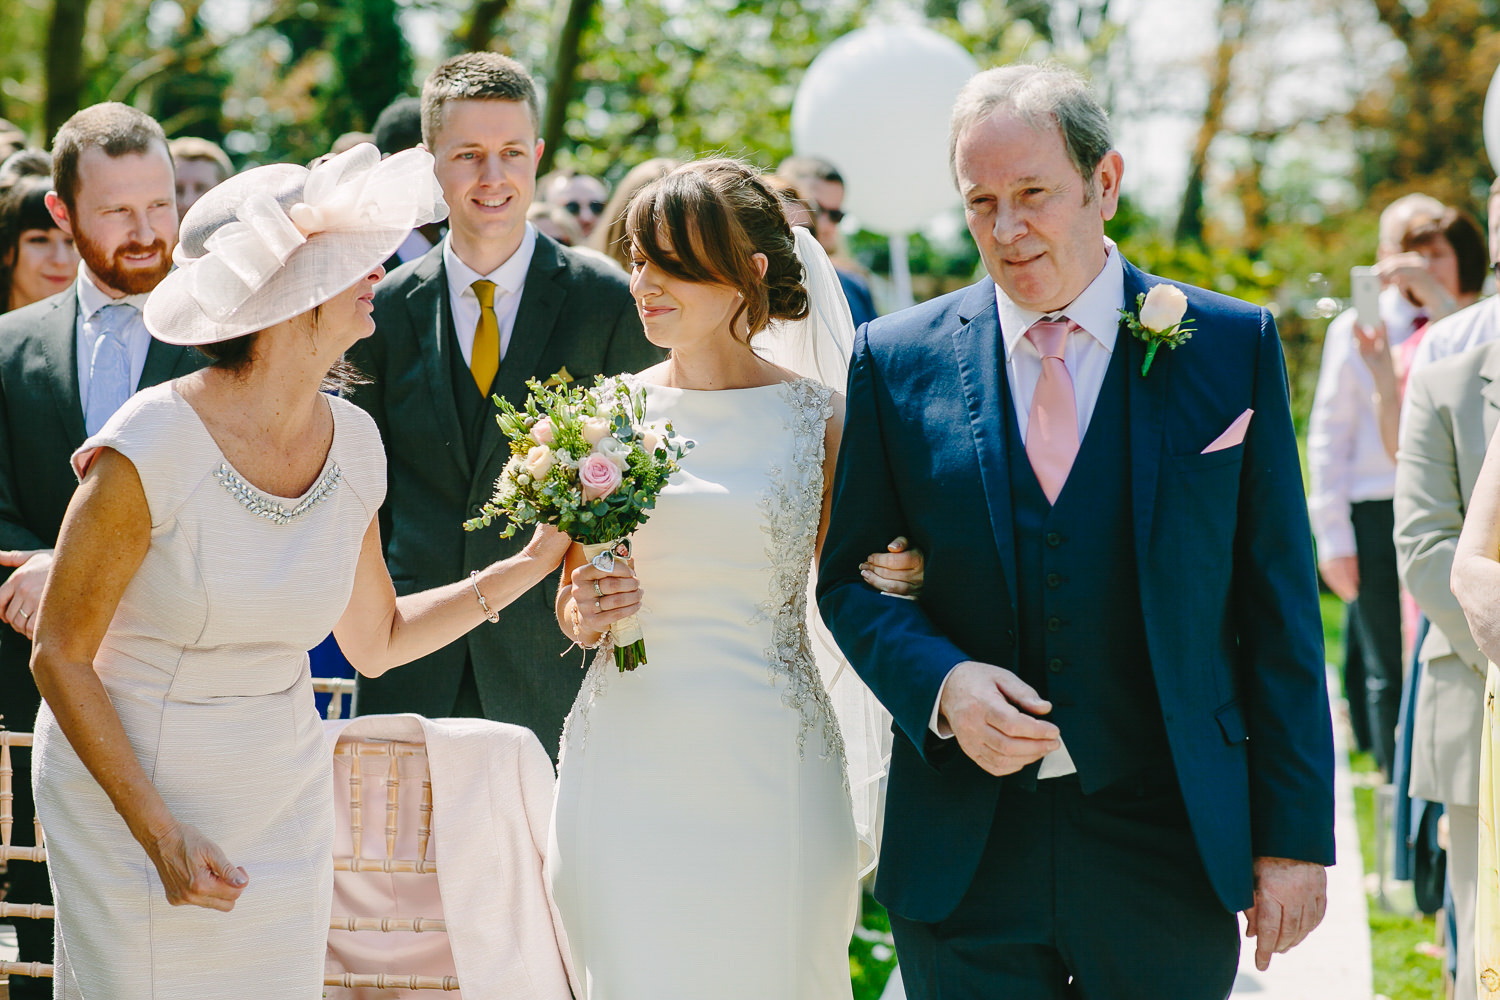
(539, 462)
(652, 436)
(612, 449)
(1164, 308)
(594, 429)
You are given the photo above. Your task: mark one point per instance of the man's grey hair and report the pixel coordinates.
(1043, 96)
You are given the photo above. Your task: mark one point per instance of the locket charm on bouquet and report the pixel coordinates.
(629, 642)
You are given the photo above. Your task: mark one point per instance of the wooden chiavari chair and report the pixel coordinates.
(9, 853)
(398, 860)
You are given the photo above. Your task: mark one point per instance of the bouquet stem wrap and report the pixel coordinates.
(629, 642)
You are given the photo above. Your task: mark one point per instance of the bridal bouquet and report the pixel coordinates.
(587, 461)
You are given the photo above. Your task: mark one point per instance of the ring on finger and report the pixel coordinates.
(596, 606)
(25, 614)
(597, 592)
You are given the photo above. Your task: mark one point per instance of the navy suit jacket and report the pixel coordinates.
(1224, 555)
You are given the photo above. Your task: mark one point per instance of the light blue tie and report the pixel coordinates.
(109, 368)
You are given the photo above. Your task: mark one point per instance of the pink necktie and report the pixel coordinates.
(1052, 430)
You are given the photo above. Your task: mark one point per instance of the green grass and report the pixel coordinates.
(1401, 971)
(872, 956)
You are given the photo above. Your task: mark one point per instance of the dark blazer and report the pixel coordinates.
(1225, 568)
(41, 425)
(574, 313)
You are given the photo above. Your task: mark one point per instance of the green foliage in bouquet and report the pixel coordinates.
(564, 444)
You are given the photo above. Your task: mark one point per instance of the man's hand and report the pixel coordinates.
(986, 707)
(1290, 897)
(22, 593)
(1341, 573)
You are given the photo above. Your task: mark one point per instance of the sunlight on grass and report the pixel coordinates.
(872, 956)
(1399, 938)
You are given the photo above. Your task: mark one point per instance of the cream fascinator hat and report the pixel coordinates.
(275, 241)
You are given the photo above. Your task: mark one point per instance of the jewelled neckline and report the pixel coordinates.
(270, 508)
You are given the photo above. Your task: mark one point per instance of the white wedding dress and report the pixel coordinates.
(703, 844)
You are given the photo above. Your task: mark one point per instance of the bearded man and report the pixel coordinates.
(66, 364)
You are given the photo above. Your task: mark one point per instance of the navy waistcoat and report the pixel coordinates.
(1082, 643)
(473, 409)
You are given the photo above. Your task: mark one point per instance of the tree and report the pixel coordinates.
(564, 71)
(1233, 24)
(1423, 126)
(64, 67)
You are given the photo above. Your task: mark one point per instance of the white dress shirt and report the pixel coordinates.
(137, 338)
(1470, 327)
(1087, 353)
(510, 281)
(1346, 459)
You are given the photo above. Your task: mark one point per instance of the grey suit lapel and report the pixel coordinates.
(431, 316)
(1489, 373)
(58, 339)
(542, 300)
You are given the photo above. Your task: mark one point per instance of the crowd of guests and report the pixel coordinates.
(559, 265)
(1400, 423)
(528, 278)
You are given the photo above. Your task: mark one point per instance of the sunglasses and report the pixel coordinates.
(835, 215)
(576, 207)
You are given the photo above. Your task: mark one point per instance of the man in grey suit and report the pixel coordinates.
(1451, 410)
(492, 305)
(66, 364)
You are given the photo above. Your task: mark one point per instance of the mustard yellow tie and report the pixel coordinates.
(486, 354)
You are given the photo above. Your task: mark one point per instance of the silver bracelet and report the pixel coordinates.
(491, 616)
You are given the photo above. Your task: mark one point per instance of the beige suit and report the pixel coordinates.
(1451, 409)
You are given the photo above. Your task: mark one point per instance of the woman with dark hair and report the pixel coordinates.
(224, 523)
(37, 259)
(705, 812)
(1441, 269)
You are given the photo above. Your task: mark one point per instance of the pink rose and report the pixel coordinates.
(542, 431)
(600, 477)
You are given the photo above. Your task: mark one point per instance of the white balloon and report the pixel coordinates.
(876, 105)
(1492, 121)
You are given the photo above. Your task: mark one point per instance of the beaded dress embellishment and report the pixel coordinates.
(261, 505)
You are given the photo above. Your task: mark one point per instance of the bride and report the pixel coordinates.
(703, 843)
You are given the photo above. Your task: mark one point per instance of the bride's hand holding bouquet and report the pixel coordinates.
(586, 461)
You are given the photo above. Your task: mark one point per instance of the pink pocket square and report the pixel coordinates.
(1233, 434)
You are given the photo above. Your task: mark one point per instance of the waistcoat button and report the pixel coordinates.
(1055, 665)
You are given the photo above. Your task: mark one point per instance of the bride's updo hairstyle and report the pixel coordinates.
(705, 221)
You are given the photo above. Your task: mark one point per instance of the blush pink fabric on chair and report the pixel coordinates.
(491, 804)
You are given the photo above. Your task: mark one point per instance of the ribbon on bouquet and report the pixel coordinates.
(626, 635)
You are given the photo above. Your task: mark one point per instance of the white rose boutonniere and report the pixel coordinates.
(1158, 320)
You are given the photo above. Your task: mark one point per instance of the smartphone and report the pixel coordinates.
(1364, 288)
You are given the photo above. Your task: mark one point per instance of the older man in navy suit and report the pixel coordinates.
(1112, 730)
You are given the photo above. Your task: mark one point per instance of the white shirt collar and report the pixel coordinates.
(510, 276)
(1096, 309)
(91, 298)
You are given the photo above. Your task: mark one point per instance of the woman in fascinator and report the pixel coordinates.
(223, 525)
